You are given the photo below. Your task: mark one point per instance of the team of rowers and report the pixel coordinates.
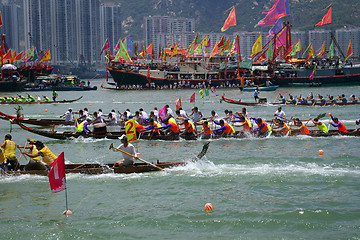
(182, 124)
(29, 98)
(317, 99)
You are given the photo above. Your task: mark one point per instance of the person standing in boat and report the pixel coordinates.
(256, 94)
(48, 157)
(197, 115)
(9, 153)
(34, 162)
(279, 114)
(55, 95)
(126, 147)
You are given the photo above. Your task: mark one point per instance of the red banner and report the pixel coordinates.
(57, 177)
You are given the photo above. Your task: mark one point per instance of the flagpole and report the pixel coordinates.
(66, 199)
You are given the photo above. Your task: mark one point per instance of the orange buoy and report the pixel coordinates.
(321, 152)
(208, 207)
(334, 105)
(329, 114)
(45, 110)
(89, 104)
(67, 213)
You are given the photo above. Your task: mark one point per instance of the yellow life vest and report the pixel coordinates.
(80, 128)
(323, 128)
(34, 150)
(10, 150)
(2, 156)
(47, 155)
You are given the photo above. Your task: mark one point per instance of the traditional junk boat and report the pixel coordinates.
(274, 62)
(42, 102)
(103, 168)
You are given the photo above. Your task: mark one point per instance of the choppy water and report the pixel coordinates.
(275, 188)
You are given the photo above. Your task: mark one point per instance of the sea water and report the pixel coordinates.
(273, 188)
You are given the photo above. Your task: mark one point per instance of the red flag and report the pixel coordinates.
(106, 45)
(149, 49)
(159, 51)
(349, 51)
(326, 19)
(148, 75)
(178, 103)
(8, 55)
(0, 20)
(192, 98)
(57, 177)
(230, 21)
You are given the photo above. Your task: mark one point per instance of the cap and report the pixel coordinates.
(123, 137)
(32, 140)
(70, 109)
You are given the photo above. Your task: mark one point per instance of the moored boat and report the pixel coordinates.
(252, 89)
(35, 121)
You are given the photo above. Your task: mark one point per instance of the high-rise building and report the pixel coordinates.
(70, 28)
(343, 36)
(166, 31)
(318, 37)
(295, 36)
(10, 18)
(110, 23)
(247, 40)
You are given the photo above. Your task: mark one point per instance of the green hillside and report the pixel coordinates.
(209, 14)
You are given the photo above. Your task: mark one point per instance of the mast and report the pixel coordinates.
(336, 44)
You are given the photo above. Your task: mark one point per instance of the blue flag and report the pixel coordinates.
(276, 28)
(128, 44)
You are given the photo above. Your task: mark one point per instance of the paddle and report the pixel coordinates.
(149, 163)
(276, 98)
(20, 156)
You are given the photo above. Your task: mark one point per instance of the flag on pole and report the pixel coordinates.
(122, 53)
(178, 103)
(46, 57)
(349, 51)
(311, 52)
(326, 19)
(296, 47)
(57, 177)
(214, 51)
(331, 50)
(117, 46)
(128, 44)
(192, 98)
(175, 50)
(1, 23)
(230, 21)
(162, 113)
(279, 9)
(106, 45)
(276, 28)
(130, 130)
(257, 47)
(201, 93)
(322, 50)
(312, 75)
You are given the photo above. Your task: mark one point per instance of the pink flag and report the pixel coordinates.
(192, 98)
(106, 45)
(281, 39)
(117, 47)
(57, 177)
(162, 113)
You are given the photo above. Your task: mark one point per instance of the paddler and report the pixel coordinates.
(67, 115)
(47, 156)
(152, 128)
(225, 128)
(263, 128)
(338, 124)
(245, 123)
(300, 127)
(283, 128)
(126, 147)
(2, 99)
(31, 98)
(171, 126)
(189, 130)
(46, 99)
(319, 124)
(34, 162)
(83, 127)
(9, 153)
(206, 130)
(357, 122)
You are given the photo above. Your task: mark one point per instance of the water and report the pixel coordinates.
(275, 188)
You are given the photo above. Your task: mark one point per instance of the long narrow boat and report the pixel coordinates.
(43, 102)
(115, 135)
(239, 102)
(103, 168)
(252, 89)
(34, 121)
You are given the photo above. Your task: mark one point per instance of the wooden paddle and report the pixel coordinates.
(22, 153)
(149, 163)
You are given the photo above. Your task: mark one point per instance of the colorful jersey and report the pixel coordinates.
(9, 150)
(48, 156)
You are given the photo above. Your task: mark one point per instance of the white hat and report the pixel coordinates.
(123, 137)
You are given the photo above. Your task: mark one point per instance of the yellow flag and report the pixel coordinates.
(46, 57)
(130, 130)
(257, 47)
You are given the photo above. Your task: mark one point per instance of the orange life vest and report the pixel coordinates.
(264, 128)
(208, 131)
(174, 127)
(287, 129)
(229, 129)
(191, 129)
(342, 128)
(304, 129)
(247, 126)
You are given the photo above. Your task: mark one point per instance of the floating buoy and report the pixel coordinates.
(321, 152)
(329, 114)
(334, 105)
(208, 207)
(67, 213)
(45, 110)
(89, 104)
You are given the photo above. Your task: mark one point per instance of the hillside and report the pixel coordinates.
(209, 15)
